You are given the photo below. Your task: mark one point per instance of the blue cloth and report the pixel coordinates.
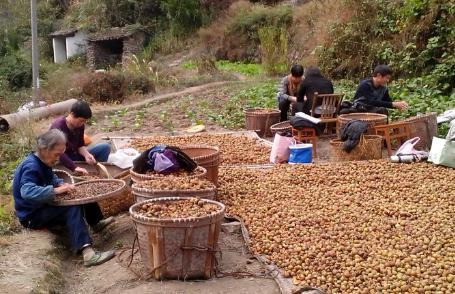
(100, 151)
(33, 189)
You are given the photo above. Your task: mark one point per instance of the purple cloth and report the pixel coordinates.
(74, 140)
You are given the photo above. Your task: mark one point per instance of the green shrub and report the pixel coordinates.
(16, 70)
(104, 87)
(274, 49)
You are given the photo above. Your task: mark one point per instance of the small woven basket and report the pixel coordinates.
(369, 147)
(283, 126)
(66, 176)
(178, 248)
(199, 172)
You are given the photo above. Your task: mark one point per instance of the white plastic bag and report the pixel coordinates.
(280, 148)
(407, 148)
(123, 158)
(442, 152)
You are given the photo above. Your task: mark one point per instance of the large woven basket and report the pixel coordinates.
(369, 147)
(93, 198)
(283, 126)
(142, 194)
(425, 127)
(261, 119)
(179, 248)
(372, 119)
(199, 172)
(121, 202)
(207, 157)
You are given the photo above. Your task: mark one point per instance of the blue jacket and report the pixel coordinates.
(33, 186)
(368, 94)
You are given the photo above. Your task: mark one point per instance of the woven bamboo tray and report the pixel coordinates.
(200, 172)
(66, 176)
(369, 147)
(92, 198)
(178, 248)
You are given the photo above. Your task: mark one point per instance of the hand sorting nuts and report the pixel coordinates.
(89, 189)
(193, 207)
(176, 183)
(353, 227)
(234, 149)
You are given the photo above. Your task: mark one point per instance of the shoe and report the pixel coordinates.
(102, 224)
(99, 258)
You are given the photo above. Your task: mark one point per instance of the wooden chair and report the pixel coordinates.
(306, 135)
(397, 132)
(329, 105)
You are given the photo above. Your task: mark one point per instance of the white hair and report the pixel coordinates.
(50, 139)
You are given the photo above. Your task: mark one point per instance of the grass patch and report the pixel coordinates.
(248, 69)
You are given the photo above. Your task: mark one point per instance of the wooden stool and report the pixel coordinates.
(398, 131)
(306, 135)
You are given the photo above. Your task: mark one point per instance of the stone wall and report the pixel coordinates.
(132, 45)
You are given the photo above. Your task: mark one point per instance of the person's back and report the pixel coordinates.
(314, 82)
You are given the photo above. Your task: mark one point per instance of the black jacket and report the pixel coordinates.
(314, 82)
(368, 94)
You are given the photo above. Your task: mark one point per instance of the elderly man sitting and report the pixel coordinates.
(35, 186)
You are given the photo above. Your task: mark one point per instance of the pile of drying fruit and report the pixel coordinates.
(234, 149)
(178, 174)
(176, 183)
(192, 207)
(90, 189)
(356, 227)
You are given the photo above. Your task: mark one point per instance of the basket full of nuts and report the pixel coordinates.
(261, 119)
(199, 172)
(372, 119)
(207, 157)
(178, 236)
(174, 187)
(369, 147)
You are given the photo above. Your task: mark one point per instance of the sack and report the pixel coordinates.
(301, 153)
(165, 163)
(442, 152)
(280, 148)
(146, 161)
(407, 148)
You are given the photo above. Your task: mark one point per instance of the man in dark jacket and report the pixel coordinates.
(314, 82)
(372, 94)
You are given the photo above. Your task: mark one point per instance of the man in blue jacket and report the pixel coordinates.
(35, 186)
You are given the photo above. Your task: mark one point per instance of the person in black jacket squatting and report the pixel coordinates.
(372, 94)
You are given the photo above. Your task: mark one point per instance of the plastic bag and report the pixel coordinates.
(442, 152)
(280, 148)
(123, 158)
(162, 163)
(407, 148)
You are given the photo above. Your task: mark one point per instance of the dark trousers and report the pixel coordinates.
(74, 218)
(285, 105)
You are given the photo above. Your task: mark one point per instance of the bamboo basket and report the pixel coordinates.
(178, 248)
(67, 178)
(283, 126)
(372, 119)
(207, 157)
(199, 172)
(261, 119)
(121, 202)
(369, 147)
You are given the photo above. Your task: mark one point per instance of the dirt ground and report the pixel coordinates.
(118, 278)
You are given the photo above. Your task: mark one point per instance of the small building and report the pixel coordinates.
(67, 43)
(113, 46)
